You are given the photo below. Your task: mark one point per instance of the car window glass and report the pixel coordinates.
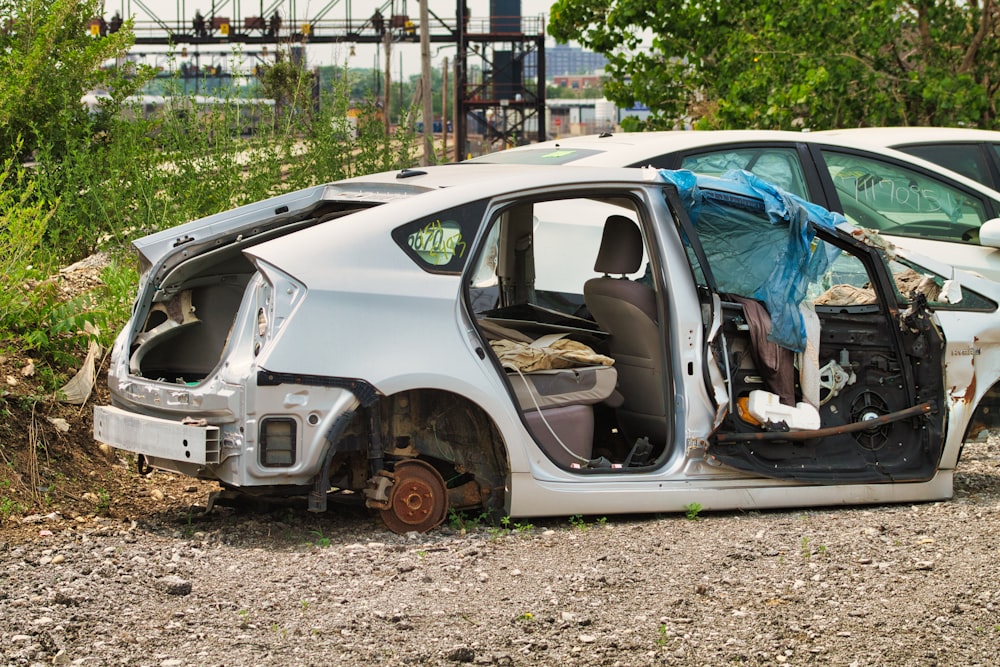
(484, 285)
(965, 159)
(847, 283)
(901, 201)
(742, 246)
(440, 243)
(941, 293)
(780, 166)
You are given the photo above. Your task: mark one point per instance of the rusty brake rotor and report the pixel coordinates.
(418, 500)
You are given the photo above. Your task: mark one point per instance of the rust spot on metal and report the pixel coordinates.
(468, 495)
(418, 500)
(970, 391)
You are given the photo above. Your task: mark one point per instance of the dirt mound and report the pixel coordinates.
(51, 464)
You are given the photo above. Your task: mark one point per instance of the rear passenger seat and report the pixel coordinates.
(558, 403)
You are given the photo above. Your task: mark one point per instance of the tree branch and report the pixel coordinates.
(985, 27)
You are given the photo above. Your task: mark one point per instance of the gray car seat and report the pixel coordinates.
(626, 309)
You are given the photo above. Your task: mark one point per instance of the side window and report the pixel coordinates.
(567, 238)
(965, 159)
(440, 243)
(780, 166)
(846, 283)
(897, 200)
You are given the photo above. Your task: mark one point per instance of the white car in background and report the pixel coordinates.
(549, 341)
(917, 203)
(972, 153)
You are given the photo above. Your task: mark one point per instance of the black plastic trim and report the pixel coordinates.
(365, 392)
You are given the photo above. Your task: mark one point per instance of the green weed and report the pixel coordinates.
(103, 502)
(321, 541)
(121, 173)
(692, 510)
(516, 527)
(9, 507)
(464, 521)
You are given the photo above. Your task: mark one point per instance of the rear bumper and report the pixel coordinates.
(155, 437)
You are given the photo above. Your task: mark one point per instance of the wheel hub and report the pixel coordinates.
(418, 500)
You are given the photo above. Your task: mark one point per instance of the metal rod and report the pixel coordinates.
(915, 411)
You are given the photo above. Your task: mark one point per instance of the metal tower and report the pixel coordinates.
(499, 95)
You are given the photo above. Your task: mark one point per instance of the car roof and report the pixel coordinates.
(462, 182)
(458, 183)
(632, 147)
(906, 136)
(447, 185)
(493, 179)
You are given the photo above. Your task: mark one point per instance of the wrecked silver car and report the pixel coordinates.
(550, 341)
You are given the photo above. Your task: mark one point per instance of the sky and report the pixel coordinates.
(405, 56)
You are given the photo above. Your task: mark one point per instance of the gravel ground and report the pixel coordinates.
(887, 585)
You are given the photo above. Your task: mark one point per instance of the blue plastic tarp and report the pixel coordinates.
(760, 242)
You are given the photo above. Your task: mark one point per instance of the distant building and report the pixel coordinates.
(574, 116)
(564, 60)
(577, 82)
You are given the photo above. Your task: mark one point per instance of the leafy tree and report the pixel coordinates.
(48, 61)
(788, 64)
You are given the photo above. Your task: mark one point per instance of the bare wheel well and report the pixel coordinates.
(456, 436)
(986, 416)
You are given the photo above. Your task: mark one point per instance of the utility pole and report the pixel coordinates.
(444, 108)
(387, 42)
(425, 84)
(456, 109)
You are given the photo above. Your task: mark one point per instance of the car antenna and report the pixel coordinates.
(406, 173)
